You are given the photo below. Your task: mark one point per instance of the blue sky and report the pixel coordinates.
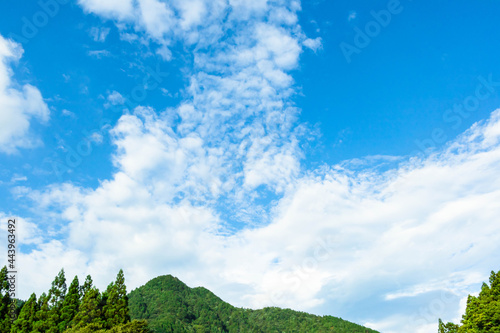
(335, 157)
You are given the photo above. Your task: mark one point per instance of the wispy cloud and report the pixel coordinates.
(99, 34)
(99, 53)
(352, 16)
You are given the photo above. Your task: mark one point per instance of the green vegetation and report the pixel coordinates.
(77, 309)
(482, 313)
(170, 306)
(5, 301)
(164, 304)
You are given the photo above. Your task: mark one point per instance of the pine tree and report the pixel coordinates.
(5, 301)
(41, 324)
(86, 286)
(57, 293)
(26, 320)
(116, 307)
(90, 312)
(109, 297)
(122, 311)
(70, 305)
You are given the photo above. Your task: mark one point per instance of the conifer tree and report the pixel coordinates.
(41, 324)
(5, 301)
(483, 312)
(26, 320)
(109, 297)
(56, 293)
(116, 308)
(86, 286)
(70, 305)
(122, 312)
(90, 312)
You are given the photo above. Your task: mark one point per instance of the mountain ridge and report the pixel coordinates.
(169, 305)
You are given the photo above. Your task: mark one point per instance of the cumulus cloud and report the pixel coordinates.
(424, 232)
(330, 239)
(20, 105)
(234, 134)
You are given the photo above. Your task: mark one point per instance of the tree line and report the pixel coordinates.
(165, 304)
(74, 309)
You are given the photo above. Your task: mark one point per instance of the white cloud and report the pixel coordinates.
(120, 9)
(352, 15)
(115, 98)
(192, 12)
(314, 44)
(191, 21)
(336, 236)
(27, 232)
(99, 34)
(330, 237)
(18, 178)
(20, 105)
(68, 113)
(157, 18)
(99, 53)
(96, 137)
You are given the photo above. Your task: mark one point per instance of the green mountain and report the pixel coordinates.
(169, 305)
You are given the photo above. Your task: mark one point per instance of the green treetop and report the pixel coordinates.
(70, 305)
(5, 300)
(116, 308)
(86, 286)
(56, 293)
(27, 317)
(89, 312)
(41, 324)
(482, 313)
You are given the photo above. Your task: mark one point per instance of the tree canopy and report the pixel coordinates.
(164, 304)
(170, 306)
(78, 308)
(482, 313)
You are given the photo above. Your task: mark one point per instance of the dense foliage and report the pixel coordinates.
(170, 306)
(164, 304)
(77, 309)
(482, 313)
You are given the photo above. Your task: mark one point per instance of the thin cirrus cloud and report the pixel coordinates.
(20, 105)
(332, 236)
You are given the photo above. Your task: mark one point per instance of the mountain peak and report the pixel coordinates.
(169, 305)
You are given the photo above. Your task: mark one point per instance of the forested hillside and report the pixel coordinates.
(170, 306)
(166, 304)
